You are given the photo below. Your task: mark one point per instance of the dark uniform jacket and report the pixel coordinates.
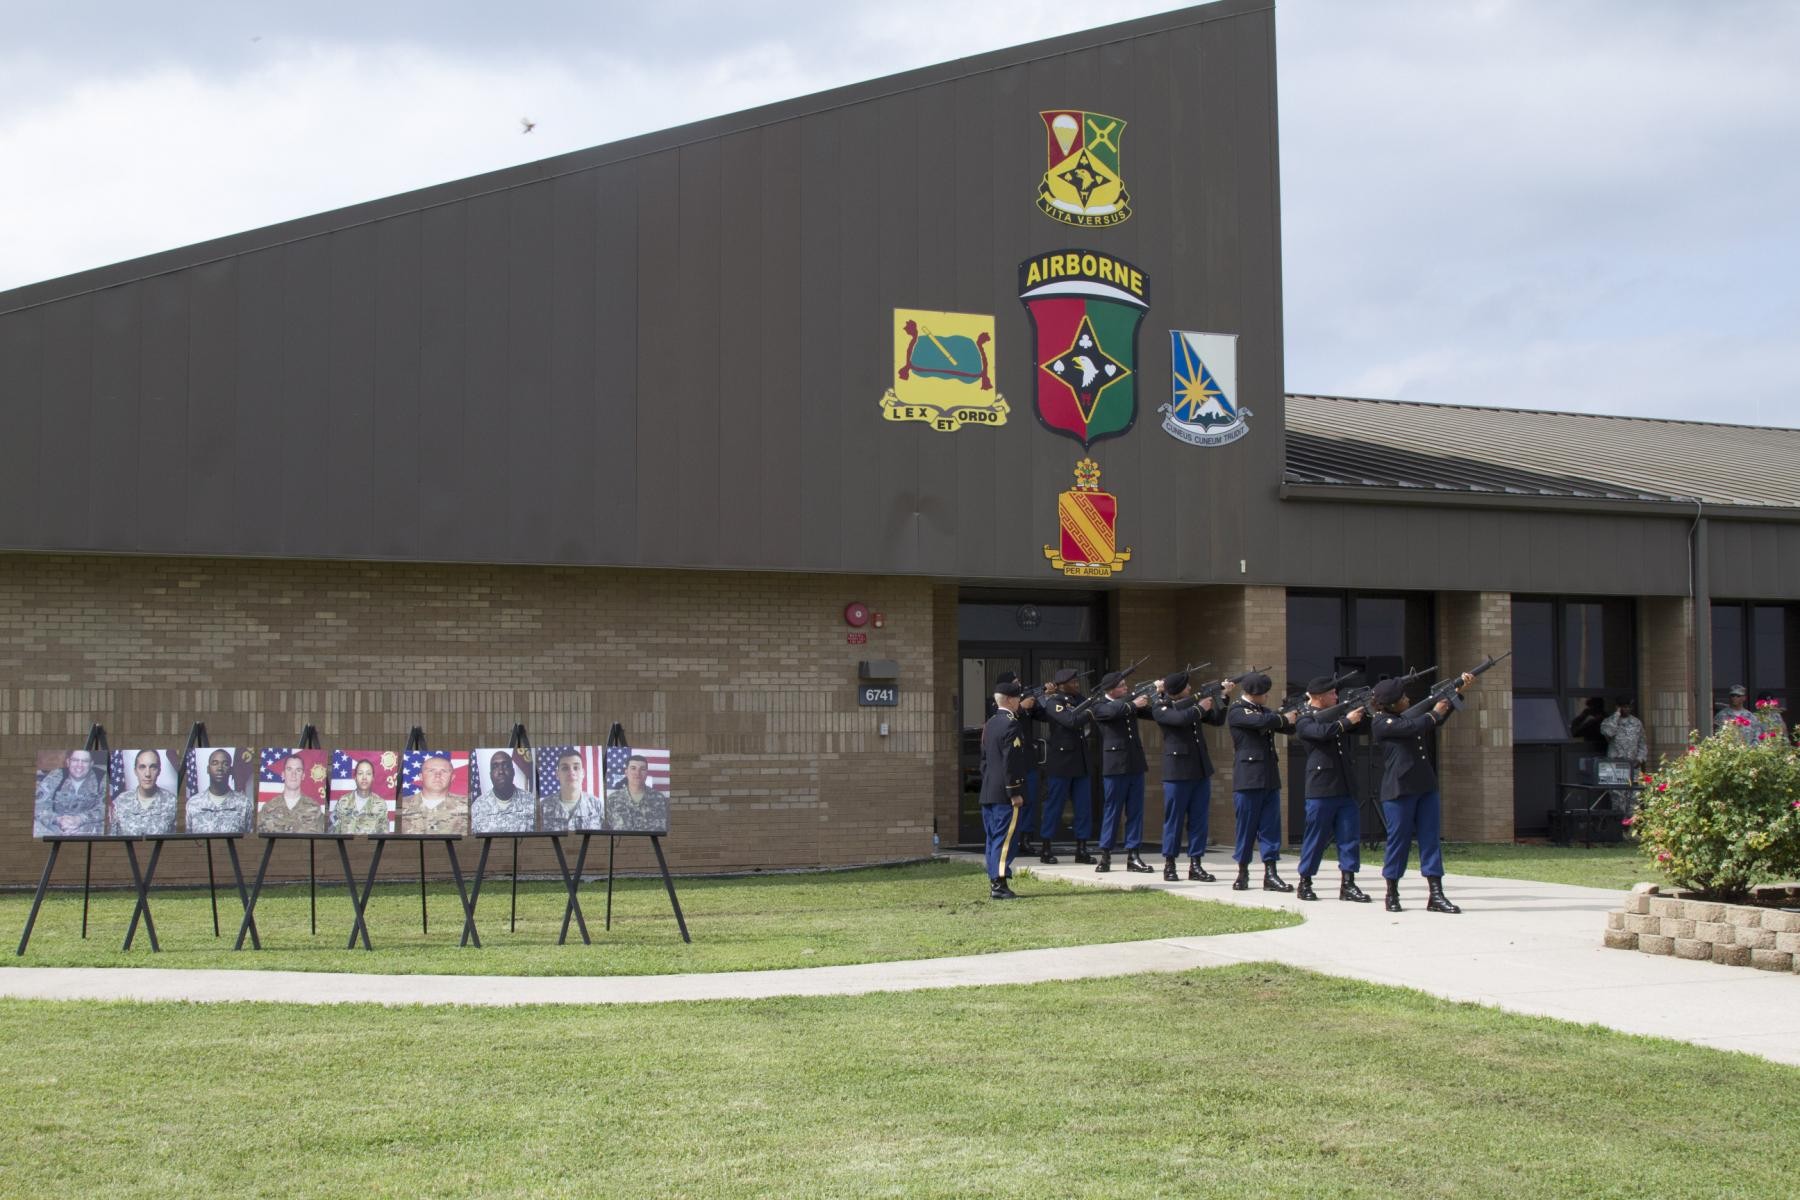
(1406, 752)
(1002, 759)
(1328, 753)
(1121, 749)
(1253, 729)
(1065, 743)
(1184, 745)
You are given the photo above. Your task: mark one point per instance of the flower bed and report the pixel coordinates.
(1739, 935)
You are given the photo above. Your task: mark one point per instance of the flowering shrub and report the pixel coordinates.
(1726, 814)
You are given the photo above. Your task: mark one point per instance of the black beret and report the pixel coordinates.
(1007, 677)
(1388, 691)
(1318, 685)
(1174, 684)
(1066, 675)
(1111, 680)
(1257, 684)
(1008, 687)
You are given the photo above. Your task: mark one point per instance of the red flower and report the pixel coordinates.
(1629, 820)
(1742, 720)
(1663, 857)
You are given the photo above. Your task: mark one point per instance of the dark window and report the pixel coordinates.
(1538, 719)
(1380, 625)
(1534, 645)
(1728, 646)
(1026, 622)
(1757, 645)
(1768, 646)
(1315, 635)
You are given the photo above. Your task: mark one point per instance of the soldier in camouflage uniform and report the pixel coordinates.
(504, 807)
(71, 800)
(219, 808)
(293, 811)
(634, 804)
(574, 808)
(433, 808)
(146, 810)
(363, 811)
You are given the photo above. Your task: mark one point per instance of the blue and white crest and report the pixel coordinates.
(1203, 408)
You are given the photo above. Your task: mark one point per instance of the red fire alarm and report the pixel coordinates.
(878, 619)
(856, 614)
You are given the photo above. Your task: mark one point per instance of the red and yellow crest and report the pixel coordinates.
(1089, 519)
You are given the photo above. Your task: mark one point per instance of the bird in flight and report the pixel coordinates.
(526, 124)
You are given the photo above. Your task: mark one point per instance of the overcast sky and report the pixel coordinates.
(1572, 204)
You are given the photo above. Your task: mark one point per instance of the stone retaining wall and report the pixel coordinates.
(1738, 935)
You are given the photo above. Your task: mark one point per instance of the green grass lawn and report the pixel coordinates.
(881, 914)
(1617, 866)
(1242, 1081)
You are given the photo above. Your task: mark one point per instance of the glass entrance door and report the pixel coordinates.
(981, 667)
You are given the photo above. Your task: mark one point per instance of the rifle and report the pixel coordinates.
(1082, 709)
(1362, 696)
(1044, 689)
(1447, 690)
(1216, 689)
(1149, 686)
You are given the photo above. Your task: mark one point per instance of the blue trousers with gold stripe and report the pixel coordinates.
(996, 821)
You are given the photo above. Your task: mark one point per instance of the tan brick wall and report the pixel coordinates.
(1666, 672)
(946, 662)
(1475, 748)
(746, 678)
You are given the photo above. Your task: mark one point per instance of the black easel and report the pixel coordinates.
(616, 737)
(196, 742)
(96, 742)
(571, 882)
(415, 740)
(309, 740)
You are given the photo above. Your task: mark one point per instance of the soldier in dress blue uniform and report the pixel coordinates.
(1122, 767)
(1186, 771)
(1331, 810)
(1002, 785)
(1409, 790)
(1065, 764)
(1256, 782)
(1028, 711)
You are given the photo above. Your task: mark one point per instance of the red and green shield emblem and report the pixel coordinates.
(1085, 310)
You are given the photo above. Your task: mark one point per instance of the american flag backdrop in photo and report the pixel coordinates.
(413, 761)
(312, 781)
(387, 777)
(547, 784)
(656, 760)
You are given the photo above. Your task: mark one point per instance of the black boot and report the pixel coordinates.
(1027, 846)
(1081, 853)
(1439, 902)
(1169, 871)
(1105, 863)
(1198, 872)
(997, 890)
(1135, 862)
(1393, 896)
(1347, 889)
(1047, 857)
(1273, 882)
(1242, 883)
(1306, 892)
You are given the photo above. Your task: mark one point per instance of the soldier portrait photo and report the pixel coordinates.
(221, 783)
(291, 791)
(144, 786)
(637, 791)
(364, 790)
(434, 792)
(70, 800)
(500, 781)
(567, 777)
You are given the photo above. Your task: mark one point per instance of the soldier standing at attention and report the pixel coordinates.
(1256, 782)
(1330, 795)
(1122, 764)
(1409, 790)
(1186, 771)
(1027, 711)
(1002, 785)
(1066, 765)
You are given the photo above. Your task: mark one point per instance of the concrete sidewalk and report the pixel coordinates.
(1524, 947)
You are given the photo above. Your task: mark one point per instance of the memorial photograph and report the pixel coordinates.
(503, 798)
(434, 792)
(569, 782)
(70, 795)
(364, 790)
(221, 783)
(291, 791)
(637, 790)
(144, 786)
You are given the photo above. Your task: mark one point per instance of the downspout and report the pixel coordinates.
(1700, 606)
